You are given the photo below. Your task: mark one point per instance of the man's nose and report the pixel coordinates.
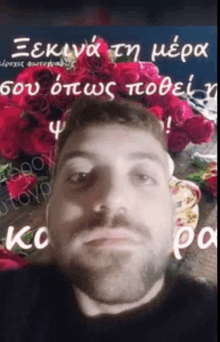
(112, 197)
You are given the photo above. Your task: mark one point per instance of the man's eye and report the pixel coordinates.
(144, 178)
(79, 177)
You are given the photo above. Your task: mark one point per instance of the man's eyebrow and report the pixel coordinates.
(145, 155)
(75, 154)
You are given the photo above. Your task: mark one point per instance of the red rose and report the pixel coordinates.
(8, 260)
(94, 69)
(43, 140)
(177, 140)
(126, 73)
(37, 141)
(199, 129)
(4, 101)
(46, 77)
(59, 104)
(210, 178)
(89, 62)
(49, 157)
(20, 183)
(9, 132)
(211, 185)
(179, 110)
(37, 104)
(155, 98)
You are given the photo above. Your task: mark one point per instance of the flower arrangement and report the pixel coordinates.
(25, 118)
(206, 178)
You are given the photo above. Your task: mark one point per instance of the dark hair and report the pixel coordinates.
(92, 111)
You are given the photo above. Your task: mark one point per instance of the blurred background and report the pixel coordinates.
(108, 12)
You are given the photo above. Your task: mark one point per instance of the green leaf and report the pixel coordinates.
(123, 59)
(201, 164)
(17, 250)
(28, 236)
(196, 177)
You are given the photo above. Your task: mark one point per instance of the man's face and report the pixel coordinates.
(110, 213)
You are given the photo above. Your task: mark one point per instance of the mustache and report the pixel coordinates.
(103, 220)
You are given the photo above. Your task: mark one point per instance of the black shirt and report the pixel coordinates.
(37, 304)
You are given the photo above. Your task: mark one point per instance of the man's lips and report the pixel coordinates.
(110, 237)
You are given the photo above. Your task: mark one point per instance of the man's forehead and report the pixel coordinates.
(130, 143)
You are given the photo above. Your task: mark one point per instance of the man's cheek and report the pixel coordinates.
(65, 213)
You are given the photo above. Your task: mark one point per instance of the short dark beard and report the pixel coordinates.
(113, 285)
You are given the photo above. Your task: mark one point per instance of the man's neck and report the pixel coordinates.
(92, 308)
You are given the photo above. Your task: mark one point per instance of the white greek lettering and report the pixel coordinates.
(165, 86)
(154, 52)
(77, 52)
(5, 88)
(173, 48)
(51, 50)
(151, 88)
(10, 242)
(19, 47)
(177, 245)
(188, 88)
(107, 89)
(29, 86)
(57, 87)
(177, 87)
(37, 236)
(36, 49)
(213, 238)
(186, 51)
(200, 50)
(93, 90)
(131, 48)
(92, 49)
(117, 48)
(58, 129)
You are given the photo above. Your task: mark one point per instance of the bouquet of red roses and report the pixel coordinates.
(25, 117)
